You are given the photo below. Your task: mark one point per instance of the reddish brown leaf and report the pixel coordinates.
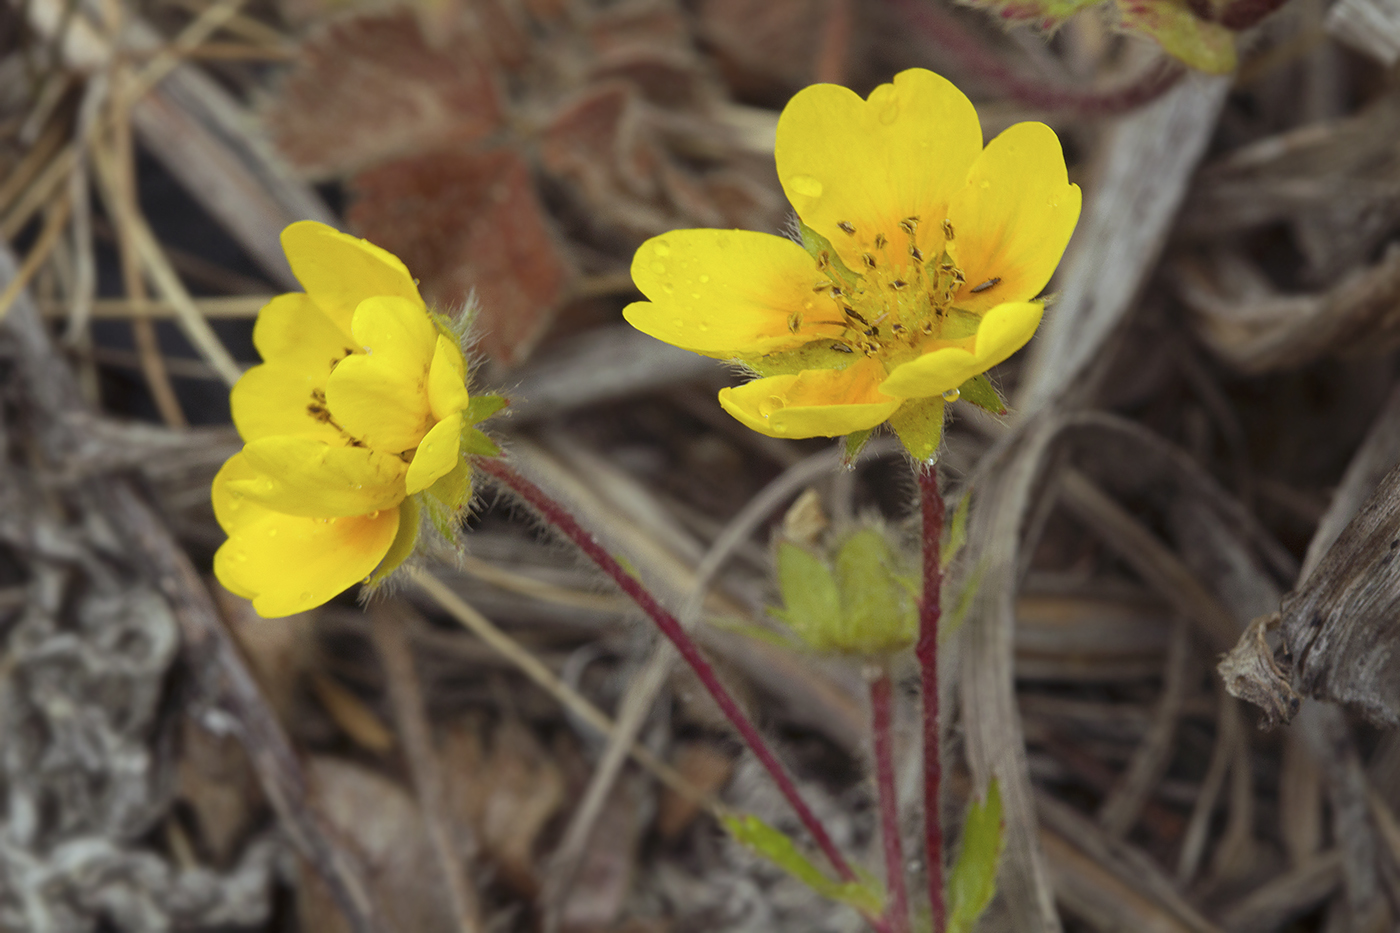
(372, 88)
(767, 48)
(465, 222)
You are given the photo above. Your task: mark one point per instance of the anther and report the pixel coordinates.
(822, 287)
(846, 227)
(836, 291)
(852, 312)
(898, 284)
(909, 225)
(842, 348)
(947, 230)
(868, 259)
(823, 260)
(986, 285)
(917, 253)
(880, 241)
(795, 321)
(873, 332)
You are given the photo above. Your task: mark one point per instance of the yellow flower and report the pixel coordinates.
(353, 424)
(921, 254)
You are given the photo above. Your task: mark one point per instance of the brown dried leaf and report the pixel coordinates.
(766, 48)
(372, 88)
(351, 713)
(708, 768)
(470, 222)
(382, 823)
(509, 796)
(216, 780)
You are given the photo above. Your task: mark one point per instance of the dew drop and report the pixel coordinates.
(272, 532)
(694, 296)
(668, 289)
(704, 328)
(952, 395)
(805, 185)
(305, 597)
(373, 515)
(704, 278)
(659, 268)
(986, 184)
(662, 248)
(241, 557)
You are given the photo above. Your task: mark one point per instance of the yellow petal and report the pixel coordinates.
(1013, 218)
(813, 403)
(1004, 330)
(381, 396)
(872, 163)
(301, 476)
(287, 564)
(447, 380)
(278, 398)
(437, 454)
(729, 293)
(339, 271)
(293, 329)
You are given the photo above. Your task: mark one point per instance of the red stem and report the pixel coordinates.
(973, 54)
(930, 610)
(897, 912)
(560, 518)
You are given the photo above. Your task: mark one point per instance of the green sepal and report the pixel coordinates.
(453, 488)
(865, 896)
(443, 518)
(811, 599)
(919, 424)
(482, 407)
(478, 444)
(980, 392)
(957, 531)
(823, 252)
(855, 442)
(403, 544)
(880, 606)
(973, 880)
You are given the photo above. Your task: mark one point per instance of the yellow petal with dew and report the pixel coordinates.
(339, 271)
(438, 453)
(854, 169)
(281, 398)
(813, 403)
(381, 396)
(293, 329)
(728, 293)
(447, 380)
(1004, 330)
(287, 564)
(1013, 218)
(302, 476)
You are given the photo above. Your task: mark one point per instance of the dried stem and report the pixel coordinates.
(566, 524)
(930, 610)
(973, 54)
(881, 721)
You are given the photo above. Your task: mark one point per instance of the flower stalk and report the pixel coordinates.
(881, 726)
(566, 524)
(926, 650)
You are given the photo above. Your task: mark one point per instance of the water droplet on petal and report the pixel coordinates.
(805, 185)
(952, 395)
(305, 597)
(704, 278)
(272, 532)
(668, 288)
(662, 248)
(241, 557)
(986, 184)
(704, 328)
(373, 515)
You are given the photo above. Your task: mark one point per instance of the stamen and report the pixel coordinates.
(909, 225)
(917, 253)
(986, 285)
(841, 347)
(852, 312)
(846, 227)
(868, 259)
(947, 230)
(795, 321)
(880, 241)
(898, 284)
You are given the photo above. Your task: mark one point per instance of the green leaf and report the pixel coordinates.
(855, 443)
(952, 620)
(974, 877)
(482, 407)
(980, 392)
(760, 633)
(1205, 46)
(404, 541)
(881, 613)
(919, 424)
(957, 531)
(865, 897)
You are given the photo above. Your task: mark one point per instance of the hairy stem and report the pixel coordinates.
(881, 721)
(565, 523)
(930, 610)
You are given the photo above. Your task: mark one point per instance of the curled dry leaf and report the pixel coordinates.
(1342, 625)
(1251, 673)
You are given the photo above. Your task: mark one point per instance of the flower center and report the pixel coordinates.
(898, 300)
